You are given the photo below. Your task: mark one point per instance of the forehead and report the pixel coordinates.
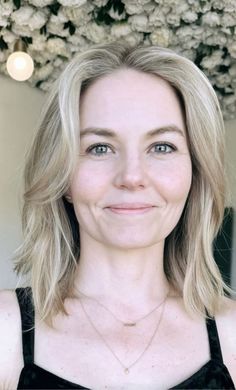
(130, 96)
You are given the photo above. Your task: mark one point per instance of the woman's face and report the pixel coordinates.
(134, 170)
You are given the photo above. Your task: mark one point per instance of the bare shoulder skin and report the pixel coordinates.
(226, 325)
(11, 361)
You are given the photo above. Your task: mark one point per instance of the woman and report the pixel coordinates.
(124, 194)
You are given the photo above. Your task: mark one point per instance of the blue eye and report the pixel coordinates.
(163, 148)
(98, 149)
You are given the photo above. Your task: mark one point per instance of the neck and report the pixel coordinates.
(129, 278)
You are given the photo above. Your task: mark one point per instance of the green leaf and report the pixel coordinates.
(71, 27)
(37, 85)
(3, 45)
(17, 3)
(27, 40)
(118, 6)
(54, 7)
(43, 30)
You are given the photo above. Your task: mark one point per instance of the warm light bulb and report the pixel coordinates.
(20, 66)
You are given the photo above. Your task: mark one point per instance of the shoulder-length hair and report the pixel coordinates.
(50, 250)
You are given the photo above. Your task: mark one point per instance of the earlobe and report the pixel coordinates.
(68, 198)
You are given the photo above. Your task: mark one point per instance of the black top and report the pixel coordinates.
(213, 375)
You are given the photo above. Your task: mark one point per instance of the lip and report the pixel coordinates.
(128, 208)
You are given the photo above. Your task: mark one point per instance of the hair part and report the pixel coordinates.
(50, 250)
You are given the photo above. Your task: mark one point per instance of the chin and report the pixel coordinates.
(133, 243)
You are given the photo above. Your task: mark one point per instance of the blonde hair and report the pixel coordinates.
(50, 250)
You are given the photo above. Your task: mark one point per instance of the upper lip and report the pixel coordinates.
(130, 205)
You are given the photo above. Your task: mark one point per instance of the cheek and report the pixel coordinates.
(89, 182)
(175, 181)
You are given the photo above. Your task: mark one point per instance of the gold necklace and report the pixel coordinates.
(125, 323)
(125, 368)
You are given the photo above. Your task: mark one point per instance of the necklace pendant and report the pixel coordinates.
(129, 324)
(126, 371)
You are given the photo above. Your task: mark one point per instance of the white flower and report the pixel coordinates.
(37, 20)
(213, 60)
(94, 33)
(218, 4)
(133, 7)
(61, 17)
(22, 15)
(211, 18)
(198, 33)
(228, 100)
(216, 39)
(189, 53)
(232, 49)
(134, 38)
(3, 56)
(181, 8)
(79, 16)
(57, 46)
(119, 30)
(58, 62)
(3, 21)
(40, 3)
(115, 15)
(139, 23)
(8, 36)
(38, 43)
(226, 31)
(191, 44)
(72, 3)
(77, 40)
(43, 72)
(161, 37)
(22, 31)
(228, 19)
(223, 80)
(57, 29)
(157, 18)
(149, 7)
(185, 33)
(5, 11)
(160, 2)
(200, 7)
(189, 16)
(230, 6)
(173, 3)
(173, 19)
(100, 3)
(45, 86)
(232, 71)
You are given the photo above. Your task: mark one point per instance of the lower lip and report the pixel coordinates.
(130, 211)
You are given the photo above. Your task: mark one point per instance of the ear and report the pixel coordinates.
(68, 197)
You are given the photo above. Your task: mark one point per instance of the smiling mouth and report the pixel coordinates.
(130, 210)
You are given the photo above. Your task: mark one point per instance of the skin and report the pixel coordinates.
(130, 167)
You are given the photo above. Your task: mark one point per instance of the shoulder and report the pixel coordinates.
(10, 339)
(226, 324)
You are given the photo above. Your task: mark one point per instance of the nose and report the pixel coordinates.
(131, 174)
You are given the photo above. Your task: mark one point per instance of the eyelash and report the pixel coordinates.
(170, 146)
(93, 147)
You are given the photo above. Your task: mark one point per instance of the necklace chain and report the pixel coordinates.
(125, 323)
(125, 368)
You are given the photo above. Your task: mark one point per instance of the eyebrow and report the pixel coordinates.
(111, 134)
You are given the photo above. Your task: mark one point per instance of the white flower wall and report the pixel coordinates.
(54, 31)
